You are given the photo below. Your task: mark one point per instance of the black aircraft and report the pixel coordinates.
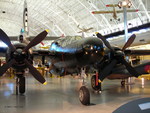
(73, 54)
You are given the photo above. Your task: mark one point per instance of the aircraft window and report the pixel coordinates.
(98, 48)
(68, 40)
(86, 46)
(95, 47)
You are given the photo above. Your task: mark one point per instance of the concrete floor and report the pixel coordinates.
(60, 95)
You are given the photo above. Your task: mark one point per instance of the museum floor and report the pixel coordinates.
(60, 95)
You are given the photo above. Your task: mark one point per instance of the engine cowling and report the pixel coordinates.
(19, 56)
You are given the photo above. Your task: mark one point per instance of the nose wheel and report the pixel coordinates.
(84, 96)
(20, 85)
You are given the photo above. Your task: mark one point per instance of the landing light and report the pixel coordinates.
(86, 52)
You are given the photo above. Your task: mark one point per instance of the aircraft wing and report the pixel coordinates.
(121, 11)
(112, 5)
(137, 52)
(122, 73)
(15, 38)
(102, 12)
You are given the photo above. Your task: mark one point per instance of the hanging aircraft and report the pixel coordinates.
(84, 30)
(114, 11)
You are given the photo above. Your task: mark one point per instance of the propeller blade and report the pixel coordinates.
(105, 41)
(130, 69)
(36, 40)
(35, 73)
(6, 66)
(106, 71)
(129, 42)
(6, 40)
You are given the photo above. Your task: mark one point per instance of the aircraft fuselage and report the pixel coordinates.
(76, 53)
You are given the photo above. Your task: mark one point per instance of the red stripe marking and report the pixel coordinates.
(96, 79)
(147, 68)
(93, 12)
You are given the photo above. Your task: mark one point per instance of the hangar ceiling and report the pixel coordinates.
(63, 16)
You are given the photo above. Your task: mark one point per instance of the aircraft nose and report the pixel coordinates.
(93, 45)
(93, 50)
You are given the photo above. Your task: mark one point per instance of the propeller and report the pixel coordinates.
(35, 73)
(35, 41)
(105, 41)
(118, 56)
(6, 66)
(6, 40)
(129, 42)
(107, 70)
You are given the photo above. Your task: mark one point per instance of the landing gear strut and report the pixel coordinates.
(95, 84)
(123, 82)
(84, 94)
(20, 84)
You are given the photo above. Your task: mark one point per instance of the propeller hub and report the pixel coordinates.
(119, 53)
(18, 55)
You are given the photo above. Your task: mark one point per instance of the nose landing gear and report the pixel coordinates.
(84, 94)
(20, 84)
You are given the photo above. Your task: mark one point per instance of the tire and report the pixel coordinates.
(84, 96)
(22, 85)
(122, 83)
(93, 84)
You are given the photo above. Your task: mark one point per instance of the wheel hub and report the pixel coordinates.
(81, 95)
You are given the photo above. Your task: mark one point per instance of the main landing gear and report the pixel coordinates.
(95, 83)
(84, 94)
(20, 84)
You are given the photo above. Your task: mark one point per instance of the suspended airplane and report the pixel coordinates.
(114, 11)
(84, 30)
